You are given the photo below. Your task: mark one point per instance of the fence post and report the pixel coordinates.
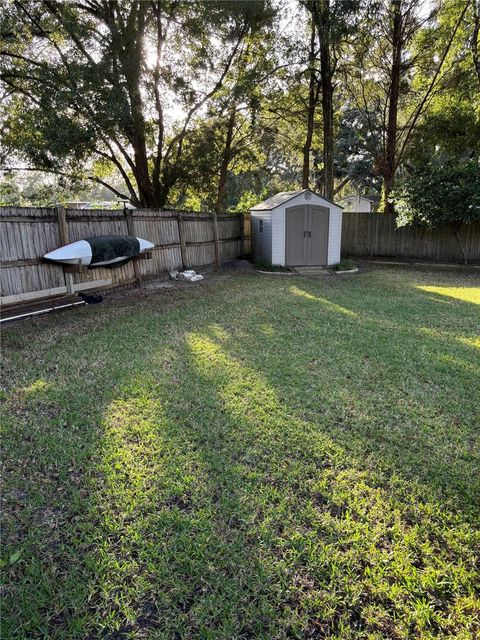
(130, 228)
(242, 236)
(216, 239)
(64, 239)
(183, 243)
(372, 233)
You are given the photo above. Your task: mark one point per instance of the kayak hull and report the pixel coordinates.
(100, 251)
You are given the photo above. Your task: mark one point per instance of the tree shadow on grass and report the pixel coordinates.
(198, 491)
(130, 529)
(348, 551)
(396, 387)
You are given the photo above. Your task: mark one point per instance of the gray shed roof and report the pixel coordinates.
(284, 196)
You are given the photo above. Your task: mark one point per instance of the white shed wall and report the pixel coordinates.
(270, 245)
(262, 242)
(278, 236)
(334, 237)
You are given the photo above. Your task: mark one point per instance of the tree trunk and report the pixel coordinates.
(146, 194)
(344, 182)
(138, 141)
(475, 38)
(129, 49)
(222, 181)
(312, 103)
(392, 126)
(226, 157)
(323, 24)
(163, 189)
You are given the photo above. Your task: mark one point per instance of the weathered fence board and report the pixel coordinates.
(185, 239)
(27, 234)
(376, 234)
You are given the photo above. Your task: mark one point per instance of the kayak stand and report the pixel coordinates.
(83, 268)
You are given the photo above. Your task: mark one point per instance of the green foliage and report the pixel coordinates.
(34, 189)
(97, 81)
(249, 199)
(450, 126)
(197, 187)
(89, 94)
(436, 194)
(358, 140)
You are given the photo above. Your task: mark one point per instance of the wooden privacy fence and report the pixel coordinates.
(376, 234)
(182, 239)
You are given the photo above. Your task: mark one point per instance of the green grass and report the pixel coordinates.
(344, 265)
(252, 458)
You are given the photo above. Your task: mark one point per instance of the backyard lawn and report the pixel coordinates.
(259, 457)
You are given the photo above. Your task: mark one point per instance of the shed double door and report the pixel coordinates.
(307, 235)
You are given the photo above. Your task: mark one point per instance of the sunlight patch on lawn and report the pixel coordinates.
(141, 463)
(467, 294)
(327, 303)
(245, 391)
(267, 329)
(148, 479)
(132, 447)
(469, 341)
(458, 362)
(317, 515)
(219, 332)
(37, 387)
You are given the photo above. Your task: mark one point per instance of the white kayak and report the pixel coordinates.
(100, 251)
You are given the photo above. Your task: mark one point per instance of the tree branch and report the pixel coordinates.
(180, 137)
(70, 175)
(418, 111)
(345, 181)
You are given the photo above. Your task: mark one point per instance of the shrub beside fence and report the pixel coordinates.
(375, 234)
(182, 239)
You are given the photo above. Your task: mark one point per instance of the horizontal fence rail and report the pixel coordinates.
(182, 240)
(376, 234)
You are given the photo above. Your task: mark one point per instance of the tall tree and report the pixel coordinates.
(378, 79)
(475, 40)
(96, 84)
(334, 21)
(400, 33)
(382, 79)
(314, 86)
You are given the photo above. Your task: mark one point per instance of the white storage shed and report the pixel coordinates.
(296, 228)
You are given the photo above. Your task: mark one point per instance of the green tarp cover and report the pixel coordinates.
(106, 248)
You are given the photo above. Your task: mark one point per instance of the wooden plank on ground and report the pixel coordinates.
(56, 291)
